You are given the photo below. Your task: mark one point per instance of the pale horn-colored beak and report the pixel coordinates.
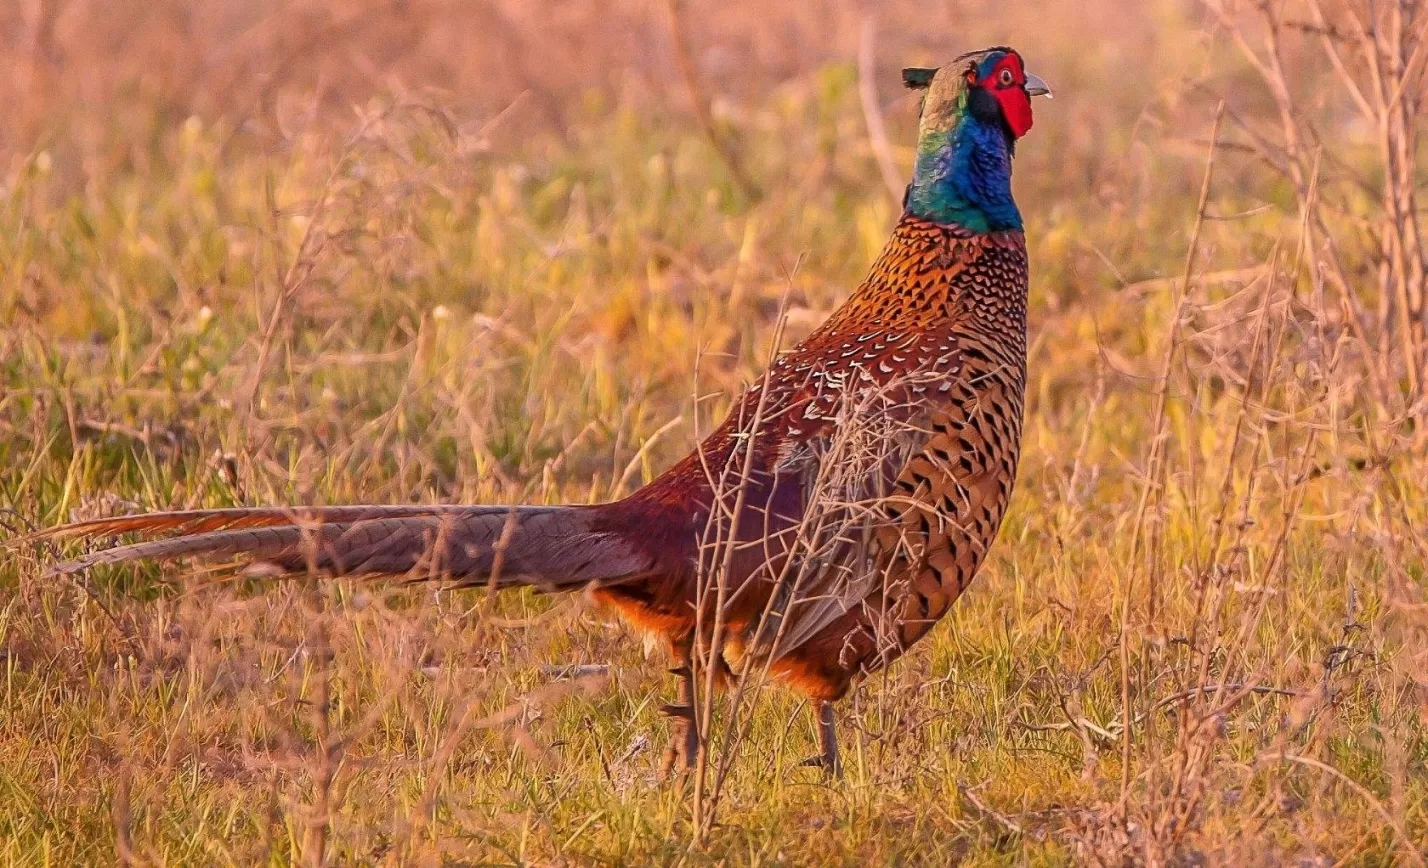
(1036, 87)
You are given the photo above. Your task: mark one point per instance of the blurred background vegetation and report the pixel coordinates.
(258, 252)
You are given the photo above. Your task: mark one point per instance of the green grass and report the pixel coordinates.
(460, 325)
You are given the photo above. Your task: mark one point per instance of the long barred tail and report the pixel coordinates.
(560, 547)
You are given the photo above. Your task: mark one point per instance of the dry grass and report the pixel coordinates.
(1202, 637)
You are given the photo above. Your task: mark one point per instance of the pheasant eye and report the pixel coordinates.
(1006, 78)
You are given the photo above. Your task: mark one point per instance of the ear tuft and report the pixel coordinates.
(917, 78)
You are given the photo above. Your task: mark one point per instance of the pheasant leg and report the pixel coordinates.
(827, 758)
(683, 748)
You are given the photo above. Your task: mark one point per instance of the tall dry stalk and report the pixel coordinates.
(1377, 53)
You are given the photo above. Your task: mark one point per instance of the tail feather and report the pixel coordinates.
(557, 547)
(194, 521)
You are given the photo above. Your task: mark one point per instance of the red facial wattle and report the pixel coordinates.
(1010, 91)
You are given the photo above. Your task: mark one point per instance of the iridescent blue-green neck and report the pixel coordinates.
(963, 172)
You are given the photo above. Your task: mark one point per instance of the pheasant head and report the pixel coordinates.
(973, 111)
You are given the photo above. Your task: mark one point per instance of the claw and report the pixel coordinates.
(678, 712)
(683, 747)
(832, 770)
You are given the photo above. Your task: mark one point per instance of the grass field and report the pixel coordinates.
(268, 253)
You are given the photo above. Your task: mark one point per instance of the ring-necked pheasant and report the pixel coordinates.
(836, 514)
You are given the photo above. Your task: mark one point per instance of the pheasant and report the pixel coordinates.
(828, 523)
